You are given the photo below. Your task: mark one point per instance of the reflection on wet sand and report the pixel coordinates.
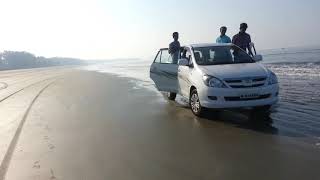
(106, 129)
(242, 118)
(297, 113)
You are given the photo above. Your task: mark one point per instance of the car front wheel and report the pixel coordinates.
(262, 109)
(261, 114)
(195, 105)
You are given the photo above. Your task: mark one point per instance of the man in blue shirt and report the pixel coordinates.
(223, 38)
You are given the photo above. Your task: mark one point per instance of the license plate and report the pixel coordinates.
(249, 96)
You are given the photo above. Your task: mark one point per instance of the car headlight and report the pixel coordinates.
(272, 79)
(213, 82)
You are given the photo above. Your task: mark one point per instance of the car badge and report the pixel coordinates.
(247, 82)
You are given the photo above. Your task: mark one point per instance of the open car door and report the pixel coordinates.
(164, 72)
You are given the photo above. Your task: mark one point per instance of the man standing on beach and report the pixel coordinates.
(223, 38)
(174, 48)
(242, 39)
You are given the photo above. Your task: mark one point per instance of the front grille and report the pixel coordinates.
(238, 98)
(233, 81)
(214, 98)
(259, 79)
(249, 82)
(242, 86)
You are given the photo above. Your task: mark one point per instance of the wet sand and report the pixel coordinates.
(87, 125)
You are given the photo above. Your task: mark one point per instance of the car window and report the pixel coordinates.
(188, 54)
(158, 57)
(166, 57)
(221, 55)
(198, 56)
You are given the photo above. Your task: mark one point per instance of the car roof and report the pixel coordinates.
(210, 45)
(205, 45)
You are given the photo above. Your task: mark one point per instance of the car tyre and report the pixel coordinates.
(171, 96)
(261, 114)
(195, 105)
(262, 109)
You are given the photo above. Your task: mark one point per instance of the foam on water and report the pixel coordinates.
(137, 69)
(298, 70)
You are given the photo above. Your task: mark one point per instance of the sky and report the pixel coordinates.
(107, 29)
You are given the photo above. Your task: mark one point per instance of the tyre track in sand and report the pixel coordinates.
(23, 88)
(8, 156)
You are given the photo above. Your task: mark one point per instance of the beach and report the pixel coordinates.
(91, 125)
(159, 90)
(298, 70)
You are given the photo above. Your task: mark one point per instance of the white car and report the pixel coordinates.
(215, 76)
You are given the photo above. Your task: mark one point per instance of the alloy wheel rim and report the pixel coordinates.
(195, 103)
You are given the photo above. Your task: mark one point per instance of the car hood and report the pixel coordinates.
(227, 71)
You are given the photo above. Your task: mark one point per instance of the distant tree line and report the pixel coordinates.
(21, 60)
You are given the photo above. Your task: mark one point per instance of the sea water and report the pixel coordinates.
(298, 70)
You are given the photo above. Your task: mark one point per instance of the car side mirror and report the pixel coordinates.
(183, 62)
(257, 58)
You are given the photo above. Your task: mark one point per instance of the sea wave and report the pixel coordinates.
(292, 56)
(283, 52)
(295, 63)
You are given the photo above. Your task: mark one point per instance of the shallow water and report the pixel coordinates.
(298, 70)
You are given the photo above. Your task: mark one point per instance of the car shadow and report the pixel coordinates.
(245, 119)
(258, 121)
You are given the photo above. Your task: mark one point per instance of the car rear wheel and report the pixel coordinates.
(195, 105)
(171, 96)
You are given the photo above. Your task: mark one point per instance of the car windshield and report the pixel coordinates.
(215, 55)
